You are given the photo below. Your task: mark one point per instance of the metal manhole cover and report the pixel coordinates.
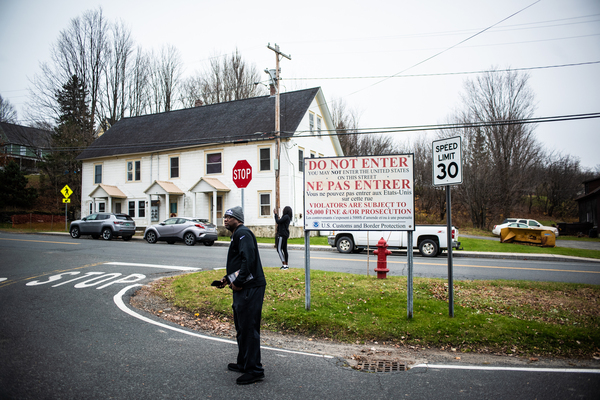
(381, 366)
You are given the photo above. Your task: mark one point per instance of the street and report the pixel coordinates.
(67, 331)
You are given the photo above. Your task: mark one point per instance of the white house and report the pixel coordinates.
(180, 162)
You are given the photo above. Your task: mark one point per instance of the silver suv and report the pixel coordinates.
(107, 225)
(182, 229)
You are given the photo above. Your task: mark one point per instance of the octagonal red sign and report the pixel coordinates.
(242, 174)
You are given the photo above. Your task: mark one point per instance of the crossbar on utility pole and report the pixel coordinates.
(277, 122)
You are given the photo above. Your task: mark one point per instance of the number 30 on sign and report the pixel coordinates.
(447, 161)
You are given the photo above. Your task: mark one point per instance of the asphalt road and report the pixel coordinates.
(67, 332)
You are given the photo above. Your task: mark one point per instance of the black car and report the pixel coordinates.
(107, 225)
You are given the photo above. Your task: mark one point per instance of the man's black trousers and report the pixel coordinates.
(247, 309)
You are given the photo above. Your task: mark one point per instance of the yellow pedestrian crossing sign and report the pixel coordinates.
(66, 191)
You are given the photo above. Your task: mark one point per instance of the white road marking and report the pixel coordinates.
(3, 279)
(118, 299)
(176, 267)
(521, 369)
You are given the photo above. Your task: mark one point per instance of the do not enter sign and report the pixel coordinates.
(242, 174)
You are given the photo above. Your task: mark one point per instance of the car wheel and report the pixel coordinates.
(127, 238)
(96, 236)
(107, 234)
(75, 233)
(151, 237)
(189, 239)
(209, 243)
(428, 248)
(345, 244)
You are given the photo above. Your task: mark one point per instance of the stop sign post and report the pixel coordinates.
(242, 174)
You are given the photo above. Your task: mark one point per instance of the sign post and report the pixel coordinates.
(447, 162)
(242, 175)
(67, 192)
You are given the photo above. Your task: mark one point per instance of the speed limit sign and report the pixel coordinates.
(447, 162)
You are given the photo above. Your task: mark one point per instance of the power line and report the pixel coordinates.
(447, 73)
(449, 48)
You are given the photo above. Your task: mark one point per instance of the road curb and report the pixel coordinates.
(455, 253)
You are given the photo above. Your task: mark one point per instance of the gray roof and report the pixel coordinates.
(24, 135)
(234, 121)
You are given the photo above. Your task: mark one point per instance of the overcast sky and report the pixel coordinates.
(349, 47)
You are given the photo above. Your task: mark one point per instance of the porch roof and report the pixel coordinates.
(103, 190)
(163, 187)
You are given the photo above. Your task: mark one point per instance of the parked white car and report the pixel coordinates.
(529, 223)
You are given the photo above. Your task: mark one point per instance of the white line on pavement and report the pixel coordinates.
(118, 299)
(522, 369)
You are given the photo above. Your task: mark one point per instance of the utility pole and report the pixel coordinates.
(278, 54)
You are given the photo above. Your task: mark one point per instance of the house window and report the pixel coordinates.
(300, 160)
(265, 204)
(141, 209)
(311, 123)
(213, 163)
(174, 161)
(134, 170)
(313, 154)
(132, 209)
(91, 208)
(98, 173)
(265, 159)
(319, 126)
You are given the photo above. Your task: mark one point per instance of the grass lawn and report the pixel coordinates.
(510, 317)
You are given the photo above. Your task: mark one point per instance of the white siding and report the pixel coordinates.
(156, 166)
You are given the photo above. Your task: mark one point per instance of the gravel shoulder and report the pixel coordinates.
(351, 355)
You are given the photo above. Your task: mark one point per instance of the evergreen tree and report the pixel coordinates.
(73, 134)
(15, 192)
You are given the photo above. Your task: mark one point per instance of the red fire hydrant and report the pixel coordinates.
(382, 252)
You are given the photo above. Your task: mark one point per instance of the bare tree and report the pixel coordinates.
(226, 79)
(138, 84)
(561, 179)
(119, 49)
(499, 152)
(354, 143)
(8, 112)
(165, 76)
(80, 50)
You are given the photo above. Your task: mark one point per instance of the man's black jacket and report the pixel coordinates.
(243, 255)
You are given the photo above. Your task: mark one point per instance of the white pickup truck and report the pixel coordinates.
(431, 240)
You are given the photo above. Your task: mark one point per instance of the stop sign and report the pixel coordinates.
(242, 174)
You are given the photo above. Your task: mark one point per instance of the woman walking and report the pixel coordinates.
(282, 234)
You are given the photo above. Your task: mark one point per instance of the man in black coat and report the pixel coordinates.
(246, 278)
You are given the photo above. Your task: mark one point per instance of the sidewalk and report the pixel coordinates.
(455, 253)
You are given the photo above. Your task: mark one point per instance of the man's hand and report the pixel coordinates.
(223, 283)
(235, 288)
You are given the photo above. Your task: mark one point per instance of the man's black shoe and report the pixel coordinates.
(249, 378)
(234, 367)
